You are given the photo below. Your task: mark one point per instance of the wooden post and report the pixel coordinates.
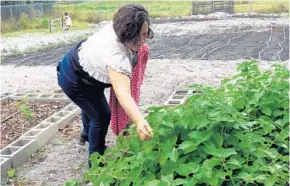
(11, 12)
(41, 9)
(60, 22)
(191, 8)
(50, 26)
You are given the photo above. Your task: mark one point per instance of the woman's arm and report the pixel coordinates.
(121, 85)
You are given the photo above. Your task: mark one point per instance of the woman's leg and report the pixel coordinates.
(99, 124)
(98, 111)
(84, 137)
(91, 99)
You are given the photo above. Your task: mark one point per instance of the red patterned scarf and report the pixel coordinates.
(119, 118)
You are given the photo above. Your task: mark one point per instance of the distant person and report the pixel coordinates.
(67, 21)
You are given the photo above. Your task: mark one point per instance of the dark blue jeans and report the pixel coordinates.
(90, 98)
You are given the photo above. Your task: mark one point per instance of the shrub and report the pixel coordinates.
(233, 135)
(24, 21)
(92, 17)
(9, 26)
(6, 27)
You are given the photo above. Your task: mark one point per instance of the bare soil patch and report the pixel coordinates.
(17, 117)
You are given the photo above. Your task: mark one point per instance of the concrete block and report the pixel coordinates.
(172, 102)
(66, 117)
(58, 95)
(6, 94)
(61, 97)
(72, 108)
(186, 92)
(58, 121)
(41, 133)
(18, 96)
(19, 151)
(46, 97)
(31, 97)
(178, 97)
(6, 165)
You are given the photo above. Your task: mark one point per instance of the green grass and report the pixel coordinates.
(94, 12)
(105, 10)
(77, 26)
(262, 6)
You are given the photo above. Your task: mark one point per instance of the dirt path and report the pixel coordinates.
(182, 53)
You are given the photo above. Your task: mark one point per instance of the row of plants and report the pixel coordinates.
(237, 134)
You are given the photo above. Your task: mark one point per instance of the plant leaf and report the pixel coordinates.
(11, 173)
(217, 140)
(240, 103)
(153, 183)
(187, 146)
(173, 155)
(163, 158)
(266, 110)
(198, 121)
(184, 169)
(221, 152)
(179, 181)
(200, 136)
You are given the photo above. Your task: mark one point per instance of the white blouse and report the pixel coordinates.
(102, 50)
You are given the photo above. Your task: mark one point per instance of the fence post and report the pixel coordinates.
(50, 26)
(100, 10)
(60, 22)
(11, 12)
(41, 9)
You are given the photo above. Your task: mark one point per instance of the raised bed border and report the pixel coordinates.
(16, 153)
(28, 143)
(179, 97)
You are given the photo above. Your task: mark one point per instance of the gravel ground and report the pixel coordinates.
(62, 159)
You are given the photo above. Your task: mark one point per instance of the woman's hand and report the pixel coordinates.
(121, 86)
(144, 130)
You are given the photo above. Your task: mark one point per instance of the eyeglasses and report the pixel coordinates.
(150, 34)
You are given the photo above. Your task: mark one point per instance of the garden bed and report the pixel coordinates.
(17, 117)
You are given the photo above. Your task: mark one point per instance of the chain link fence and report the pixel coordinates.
(32, 10)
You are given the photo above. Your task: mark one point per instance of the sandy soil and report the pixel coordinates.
(174, 64)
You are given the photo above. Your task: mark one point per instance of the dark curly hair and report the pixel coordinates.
(128, 21)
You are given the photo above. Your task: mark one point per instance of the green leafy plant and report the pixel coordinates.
(72, 183)
(24, 109)
(11, 173)
(233, 135)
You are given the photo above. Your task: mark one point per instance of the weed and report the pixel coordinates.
(24, 108)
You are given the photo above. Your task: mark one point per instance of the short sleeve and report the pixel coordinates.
(103, 50)
(120, 62)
